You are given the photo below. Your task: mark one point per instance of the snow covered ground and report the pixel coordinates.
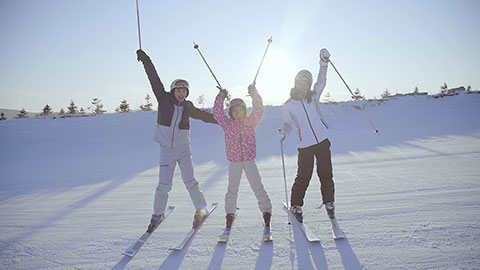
(76, 192)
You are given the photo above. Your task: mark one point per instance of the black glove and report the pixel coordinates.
(252, 90)
(142, 56)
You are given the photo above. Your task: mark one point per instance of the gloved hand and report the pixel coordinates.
(142, 56)
(324, 55)
(252, 90)
(223, 92)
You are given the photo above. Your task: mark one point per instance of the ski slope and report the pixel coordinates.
(76, 192)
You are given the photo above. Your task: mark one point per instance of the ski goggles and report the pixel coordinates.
(179, 83)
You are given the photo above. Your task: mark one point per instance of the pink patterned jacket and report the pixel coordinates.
(240, 142)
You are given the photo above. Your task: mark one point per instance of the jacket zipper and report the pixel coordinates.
(175, 124)
(240, 132)
(310, 123)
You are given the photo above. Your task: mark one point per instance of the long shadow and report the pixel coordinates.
(122, 263)
(65, 212)
(176, 257)
(265, 256)
(349, 259)
(305, 250)
(218, 255)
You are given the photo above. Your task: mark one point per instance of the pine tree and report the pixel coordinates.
(201, 100)
(82, 111)
(46, 111)
(62, 111)
(72, 108)
(327, 97)
(2, 116)
(444, 88)
(469, 88)
(385, 94)
(148, 106)
(358, 95)
(22, 114)
(98, 106)
(123, 108)
(416, 90)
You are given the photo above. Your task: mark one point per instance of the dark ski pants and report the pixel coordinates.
(306, 157)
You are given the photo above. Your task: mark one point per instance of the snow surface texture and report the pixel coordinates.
(76, 192)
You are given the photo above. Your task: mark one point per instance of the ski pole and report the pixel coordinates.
(261, 62)
(375, 130)
(195, 46)
(138, 25)
(284, 175)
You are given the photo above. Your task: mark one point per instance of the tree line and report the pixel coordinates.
(124, 107)
(73, 110)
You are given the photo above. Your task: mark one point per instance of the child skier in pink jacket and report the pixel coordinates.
(240, 147)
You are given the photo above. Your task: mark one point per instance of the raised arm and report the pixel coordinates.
(201, 115)
(322, 74)
(155, 82)
(218, 111)
(257, 104)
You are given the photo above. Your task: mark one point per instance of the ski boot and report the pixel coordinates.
(229, 217)
(330, 209)
(266, 218)
(199, 216)
(154, 222)
(297, 212)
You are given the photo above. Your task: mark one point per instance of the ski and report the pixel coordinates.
(337, 232)
(267, 234)
(192, 231)
(311, 237)
(137, 245)
(223, 238)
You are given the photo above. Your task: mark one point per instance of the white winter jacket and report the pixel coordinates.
(307, 117)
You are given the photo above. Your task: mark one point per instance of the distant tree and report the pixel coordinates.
(201, 100)
(148, 106)
(72, 108)
(416, 90)
(82, 111)
(62, 111)
(385, 93)
(2, 116)
(327, 97)
(444, 88)
(358, 95)
(97, 106)
(22, 114)
(46, 111)
(469, 88)
(123, 108)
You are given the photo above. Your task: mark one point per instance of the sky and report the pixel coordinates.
(53, 52)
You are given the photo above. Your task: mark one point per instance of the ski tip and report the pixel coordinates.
(129, 254)
(268, 239)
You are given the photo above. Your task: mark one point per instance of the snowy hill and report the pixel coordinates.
(76, 192)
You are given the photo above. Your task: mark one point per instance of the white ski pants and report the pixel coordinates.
(169, 157)
(235, 170)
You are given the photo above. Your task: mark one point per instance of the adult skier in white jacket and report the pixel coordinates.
(302, 113)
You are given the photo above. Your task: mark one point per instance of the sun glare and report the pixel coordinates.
(276, 77)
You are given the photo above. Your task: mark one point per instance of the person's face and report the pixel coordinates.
(180, 93)
(238, 113)
(303, 85)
